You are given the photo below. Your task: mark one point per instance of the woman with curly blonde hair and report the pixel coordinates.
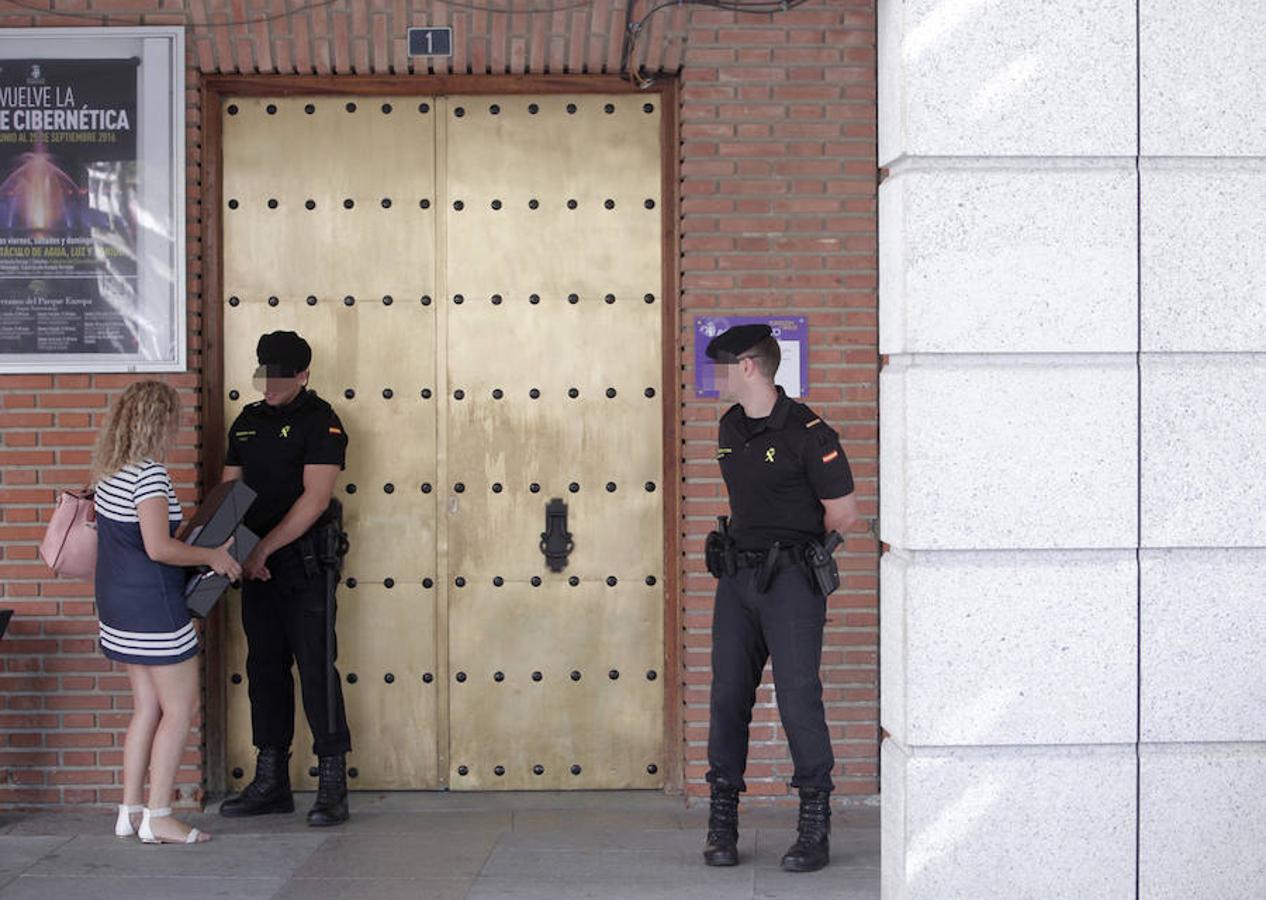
(140, 583)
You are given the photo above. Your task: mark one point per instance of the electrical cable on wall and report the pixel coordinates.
(632, 69)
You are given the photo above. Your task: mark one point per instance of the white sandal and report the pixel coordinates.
(147, 833)
(123, 824)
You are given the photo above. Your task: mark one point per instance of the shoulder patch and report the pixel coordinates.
(334, 430)
(831, 457)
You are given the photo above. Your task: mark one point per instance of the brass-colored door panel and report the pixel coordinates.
(626, 621)
(390, 538)
(394, 439)
(565, 147)
(555, 345)
(382, 163)
(589, 344)
(373, 245)
(389, 633)
(357, 280)
(554, 156)
(554, 255)
(608, 726)
(574, 448)
(318, 145)
(410, 344)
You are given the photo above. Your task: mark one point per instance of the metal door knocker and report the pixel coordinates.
(556, 542)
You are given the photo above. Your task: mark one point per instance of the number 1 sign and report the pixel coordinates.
(430, 42)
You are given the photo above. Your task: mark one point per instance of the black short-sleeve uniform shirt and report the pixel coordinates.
(778, 470)
(273, 444)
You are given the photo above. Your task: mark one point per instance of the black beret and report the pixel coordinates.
(732, 343)
(282, 354)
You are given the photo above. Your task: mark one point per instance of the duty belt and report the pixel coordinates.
(724, 559)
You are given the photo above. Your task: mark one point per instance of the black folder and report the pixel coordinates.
(217, 519)
(205, 588)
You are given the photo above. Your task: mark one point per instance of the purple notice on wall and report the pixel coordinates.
(792, 333)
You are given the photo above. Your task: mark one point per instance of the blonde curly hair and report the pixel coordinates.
(140, 425)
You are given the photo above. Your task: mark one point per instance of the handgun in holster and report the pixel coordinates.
(719, 550)
(820, 562)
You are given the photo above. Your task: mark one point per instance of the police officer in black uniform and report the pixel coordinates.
(791, 496)
(289, 447)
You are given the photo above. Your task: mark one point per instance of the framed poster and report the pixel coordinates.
(92, 203)
(792, 334)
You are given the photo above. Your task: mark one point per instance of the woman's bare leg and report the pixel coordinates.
(140, 734)
(176, 687)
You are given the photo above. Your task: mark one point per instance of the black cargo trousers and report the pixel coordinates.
(748, 628)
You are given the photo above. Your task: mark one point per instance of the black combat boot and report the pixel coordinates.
(722, 846)
(269, 792)
(812, 849)
(331, 802)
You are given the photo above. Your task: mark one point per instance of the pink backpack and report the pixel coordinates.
(69, 547)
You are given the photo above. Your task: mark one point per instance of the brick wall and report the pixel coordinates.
(778, 202)
(778, 215)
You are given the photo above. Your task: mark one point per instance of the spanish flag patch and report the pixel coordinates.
(830, 456)
(334, 430)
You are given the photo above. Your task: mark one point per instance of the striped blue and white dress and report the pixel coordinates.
(141, 603)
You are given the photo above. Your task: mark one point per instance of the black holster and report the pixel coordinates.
(818, 558)
(719, 550)
(329, 541)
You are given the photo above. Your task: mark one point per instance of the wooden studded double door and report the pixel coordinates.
(479, 277)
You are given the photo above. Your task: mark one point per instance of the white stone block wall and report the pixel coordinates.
(1072, 422)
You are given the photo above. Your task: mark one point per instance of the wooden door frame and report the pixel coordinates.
(214, 89)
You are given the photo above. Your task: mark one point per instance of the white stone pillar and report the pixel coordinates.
(1073, 621)
(1009, 453)
(1202, 799)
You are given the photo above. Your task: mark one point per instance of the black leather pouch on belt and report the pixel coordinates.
(719, 551)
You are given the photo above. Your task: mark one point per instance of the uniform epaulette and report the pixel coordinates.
(803, 414)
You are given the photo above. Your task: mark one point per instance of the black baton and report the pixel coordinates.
(331, 689)
(333, 548)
